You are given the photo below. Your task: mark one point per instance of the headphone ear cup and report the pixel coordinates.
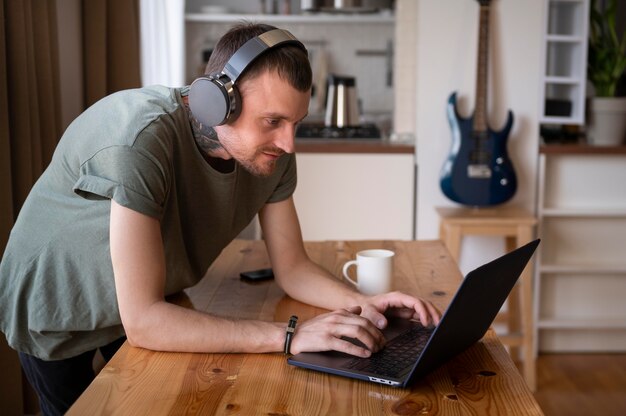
(209, 101)
(236, 106)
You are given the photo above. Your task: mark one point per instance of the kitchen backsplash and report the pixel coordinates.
(360, 49)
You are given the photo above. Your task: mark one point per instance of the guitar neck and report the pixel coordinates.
(480, 107)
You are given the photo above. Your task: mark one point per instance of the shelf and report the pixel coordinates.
(557, 120)
(564, 57)
(584, 212)
(562, 80)
(582, 323)
(582, 269)
(564, 38)
(383, 18)
(581, 149)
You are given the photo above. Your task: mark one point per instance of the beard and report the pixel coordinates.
(256, 163)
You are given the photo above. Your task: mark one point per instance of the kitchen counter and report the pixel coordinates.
(353, 146)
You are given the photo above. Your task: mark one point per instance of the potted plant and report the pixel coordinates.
(606, 62)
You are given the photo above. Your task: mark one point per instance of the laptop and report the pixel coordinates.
(413, 350)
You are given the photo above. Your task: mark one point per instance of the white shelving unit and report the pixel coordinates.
(564, 65)
(580, 274)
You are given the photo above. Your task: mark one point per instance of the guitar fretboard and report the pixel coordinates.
(480, 107)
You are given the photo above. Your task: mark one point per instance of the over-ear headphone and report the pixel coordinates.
(214, 99)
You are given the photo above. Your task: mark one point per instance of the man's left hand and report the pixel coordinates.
(399, 304)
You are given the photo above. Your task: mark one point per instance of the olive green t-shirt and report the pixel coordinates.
(57, 292)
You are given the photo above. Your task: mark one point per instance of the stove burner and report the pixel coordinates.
(319, 131)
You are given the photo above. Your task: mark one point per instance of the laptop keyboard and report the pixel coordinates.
(400, 353)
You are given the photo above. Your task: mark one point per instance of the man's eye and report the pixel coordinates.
(272, 121)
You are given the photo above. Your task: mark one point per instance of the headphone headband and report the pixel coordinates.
(255, 47)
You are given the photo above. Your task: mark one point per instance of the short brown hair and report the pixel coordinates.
(291, 62)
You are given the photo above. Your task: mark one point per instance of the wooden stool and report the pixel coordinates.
(516, 226)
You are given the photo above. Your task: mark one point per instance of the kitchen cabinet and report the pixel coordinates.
(355, 191)
(580, 282)
(564, 63)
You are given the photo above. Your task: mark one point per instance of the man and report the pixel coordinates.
(139, 199)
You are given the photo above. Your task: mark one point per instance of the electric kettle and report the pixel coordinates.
(341, 102)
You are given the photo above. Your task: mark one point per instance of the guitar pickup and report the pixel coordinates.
(479, 171)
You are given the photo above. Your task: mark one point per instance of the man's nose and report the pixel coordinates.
(286, 139)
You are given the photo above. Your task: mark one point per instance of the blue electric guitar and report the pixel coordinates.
(478, 171)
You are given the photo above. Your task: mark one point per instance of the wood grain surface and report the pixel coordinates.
(481, 381)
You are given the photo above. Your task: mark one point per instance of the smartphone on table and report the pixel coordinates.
(258, 275)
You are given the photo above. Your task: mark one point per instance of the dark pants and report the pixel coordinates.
(59, 383)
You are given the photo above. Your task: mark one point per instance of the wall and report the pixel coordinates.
(405, 67)
(445, 50)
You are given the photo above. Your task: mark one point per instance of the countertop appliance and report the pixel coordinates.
(341, 116)
(342, 108)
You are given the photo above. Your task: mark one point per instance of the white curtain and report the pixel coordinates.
(162, 25)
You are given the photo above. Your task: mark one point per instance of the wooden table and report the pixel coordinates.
(482, 380)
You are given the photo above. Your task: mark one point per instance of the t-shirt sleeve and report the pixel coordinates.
(126, 175)
(287, 184)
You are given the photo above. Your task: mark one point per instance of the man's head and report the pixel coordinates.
(244, 52)
(274, 95)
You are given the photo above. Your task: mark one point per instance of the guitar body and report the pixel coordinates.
(477, 171)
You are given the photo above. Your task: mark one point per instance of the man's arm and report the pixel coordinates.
(305, 281)
(302, 279)
(151, 322)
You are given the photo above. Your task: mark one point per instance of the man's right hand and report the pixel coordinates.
(328, 332)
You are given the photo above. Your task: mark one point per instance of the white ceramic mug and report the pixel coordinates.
(374, 271)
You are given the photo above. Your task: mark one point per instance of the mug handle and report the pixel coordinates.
(345, 272)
